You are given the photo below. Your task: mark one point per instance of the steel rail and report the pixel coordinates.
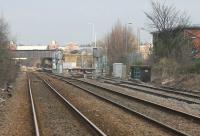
(184, 94)
(157, 94)
(158, 123)
(181, 89)
(37, 132)
(196, 118)
(164, 89)
(97, 130)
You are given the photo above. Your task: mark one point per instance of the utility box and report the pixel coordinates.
(59, 68)
(119, 70)
(141, 72)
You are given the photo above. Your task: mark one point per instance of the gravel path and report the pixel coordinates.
(179, 122)
(53, 116)
(112, 120)
(15, 116)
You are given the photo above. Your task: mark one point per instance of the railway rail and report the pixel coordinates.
(181, 89)
(187, 97)
(35, 120)
(164, 88)
(127, 104)
(92, 126)
(168, 90)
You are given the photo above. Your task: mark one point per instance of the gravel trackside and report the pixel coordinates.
(175, 104)
(111, 119)
(186, 125)
(16, 116)
(54, 117)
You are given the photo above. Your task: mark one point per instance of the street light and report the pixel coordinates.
(93, 40)
(138, 40)
(127, 36)
(93, 33)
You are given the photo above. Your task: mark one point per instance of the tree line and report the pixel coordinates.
(119, 44)
(172, 47)
(8, 67)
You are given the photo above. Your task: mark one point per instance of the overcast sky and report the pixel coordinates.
(41, 21)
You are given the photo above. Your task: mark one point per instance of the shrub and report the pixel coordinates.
(195, 68)
(166, 68)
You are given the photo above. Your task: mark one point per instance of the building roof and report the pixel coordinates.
(194, 27)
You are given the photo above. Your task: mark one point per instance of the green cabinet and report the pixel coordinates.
(141, 72)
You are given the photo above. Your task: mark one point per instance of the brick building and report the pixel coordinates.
(192, 33)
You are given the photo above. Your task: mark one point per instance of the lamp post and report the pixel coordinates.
(126, 36)
(93, 40)
(138, 37)
(93, 33)
(126, 40)
(138, 41)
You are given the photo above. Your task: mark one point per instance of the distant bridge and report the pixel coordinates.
(30, 54)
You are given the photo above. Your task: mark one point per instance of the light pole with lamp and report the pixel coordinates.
(126, 44)
(93, 33)
(94, 65)
(126, 36)
(138, 40)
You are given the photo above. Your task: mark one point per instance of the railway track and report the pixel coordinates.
(35, 120)
(63, 108)
(181, 90)
(187, 97)
(180, 123)
(164, 88)
(187, 93)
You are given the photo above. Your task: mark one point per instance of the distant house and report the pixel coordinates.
(12, 46)
(71, 48)
(53, 46)
(145, 50)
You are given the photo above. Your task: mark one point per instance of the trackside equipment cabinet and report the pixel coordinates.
(141, 72)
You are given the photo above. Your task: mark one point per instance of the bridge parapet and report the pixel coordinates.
(34, 53)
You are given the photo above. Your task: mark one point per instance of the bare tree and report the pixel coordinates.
(171, 48)
(168, 23)
(166, 18)
(118, 44)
